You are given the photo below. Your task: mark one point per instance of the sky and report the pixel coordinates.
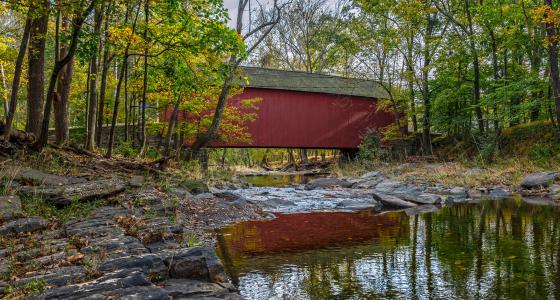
(231, 5)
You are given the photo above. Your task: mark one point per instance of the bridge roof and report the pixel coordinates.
(312, 82)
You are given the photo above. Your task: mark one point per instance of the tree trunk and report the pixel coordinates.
(126, 106)
(476, 69)
(102, 94)
(426, 121)
(58, 66)
(303, 155)
(5, 91)
(36, 69)
(92, 113)
(145, 82)
(116, 107)
(224, 153)
(17, 72)
(552, 33)
(171, 126)
(63, 91)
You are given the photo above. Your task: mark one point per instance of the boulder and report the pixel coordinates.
(186, 288)
(10, 208)
(195, 263)
(407, 192)
(392, 201)
(326, 183)
(426, 198)
(458, 190)
(387, 186)
(367, 183)
(499, 193)
(539, 180)
(420, 210)
(474, 193)
(23, 225)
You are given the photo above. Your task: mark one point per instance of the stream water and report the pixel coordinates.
(507, 249)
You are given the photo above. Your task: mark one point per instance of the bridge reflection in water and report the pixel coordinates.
(491, 249)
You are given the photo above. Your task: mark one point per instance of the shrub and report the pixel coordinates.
(370, 147)
(126, 149)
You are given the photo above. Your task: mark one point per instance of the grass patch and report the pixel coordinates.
(37, 206)
(30, 288)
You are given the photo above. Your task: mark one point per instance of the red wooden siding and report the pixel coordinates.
(292, 119)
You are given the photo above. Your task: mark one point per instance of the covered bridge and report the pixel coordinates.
(304, 110)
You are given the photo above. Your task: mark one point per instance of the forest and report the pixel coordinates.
(461, 69)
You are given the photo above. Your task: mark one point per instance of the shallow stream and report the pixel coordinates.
(481, 249)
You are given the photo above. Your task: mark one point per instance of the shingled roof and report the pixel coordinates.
(312, 82)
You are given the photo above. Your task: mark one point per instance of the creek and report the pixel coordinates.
(477, 249)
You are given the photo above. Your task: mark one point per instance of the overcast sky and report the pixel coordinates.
(231, 5)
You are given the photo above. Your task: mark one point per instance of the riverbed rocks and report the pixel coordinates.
(327, 182)
(128, 250)
(392, 201)
(539, 180)
(23, 225)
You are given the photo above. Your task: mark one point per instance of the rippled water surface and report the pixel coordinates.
(492, 249)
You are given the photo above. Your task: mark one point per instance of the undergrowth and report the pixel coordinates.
(37, 206)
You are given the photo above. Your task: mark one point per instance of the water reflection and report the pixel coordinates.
(492, 249)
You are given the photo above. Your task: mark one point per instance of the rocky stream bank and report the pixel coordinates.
(135, 244)
(146, 242)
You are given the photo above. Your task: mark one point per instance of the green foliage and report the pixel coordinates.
(370, 148)
(543, 152)
(126, 149)
(37, 206)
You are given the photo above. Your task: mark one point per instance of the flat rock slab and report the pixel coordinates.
(57, 277)
(186, 288)
(36, 177)
(103, 287)
(150, 264)
(64, 195)
(10, 208)
(393, 201)
(539, 180)
(23, 225)
(327, 182)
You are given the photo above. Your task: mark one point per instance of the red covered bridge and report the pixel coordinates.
(303, 110)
